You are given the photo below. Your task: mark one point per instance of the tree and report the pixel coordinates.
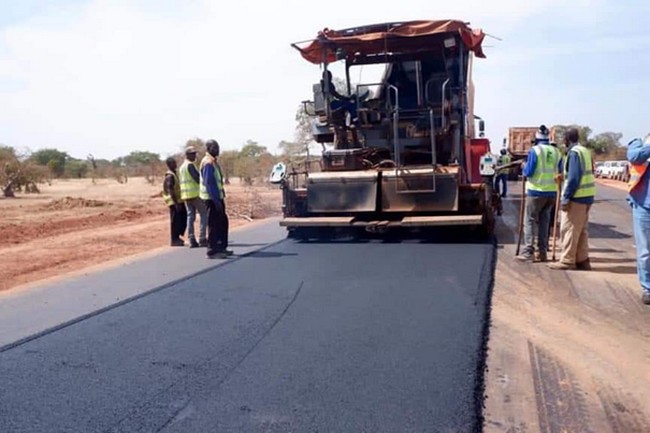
(292, 150)
(606, 142)
(18, 172)
(76, 168)
(252, 150)
(228, 161)
(53, 159)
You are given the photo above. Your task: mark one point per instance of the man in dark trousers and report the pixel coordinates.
(172, 197)
(213, 195)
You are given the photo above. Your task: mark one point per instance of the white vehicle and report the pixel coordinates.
(598, 167)
(607, 169)
(621, 171)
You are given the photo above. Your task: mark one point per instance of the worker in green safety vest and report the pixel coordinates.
(502, 177)
(541, 169)
(212, 192)
(190, 179)
(172, 197)
(578, 192)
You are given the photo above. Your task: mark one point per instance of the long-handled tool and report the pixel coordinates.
(557, 212)
(522, 208)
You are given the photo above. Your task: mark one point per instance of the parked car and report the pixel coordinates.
(598, 166)
(622, 171)
(607, 169)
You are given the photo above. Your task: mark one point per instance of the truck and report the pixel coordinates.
(400, 151)
(521, 139)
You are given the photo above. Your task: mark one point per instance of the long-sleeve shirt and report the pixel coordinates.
(572, 180)
(169, 185)
(210, 181)
(529, 171)
(637, 153)
(194, 172)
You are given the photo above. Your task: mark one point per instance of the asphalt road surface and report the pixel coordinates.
(299, 337)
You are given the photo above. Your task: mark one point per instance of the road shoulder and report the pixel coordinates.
(568, 350)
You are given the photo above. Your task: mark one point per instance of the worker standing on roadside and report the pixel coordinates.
(190, 185)
(542, 166)
(502, 177)
(172, 197)
(638, 153)
(213, 195)
(577, 197)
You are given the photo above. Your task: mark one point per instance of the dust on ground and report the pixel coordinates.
(74, 224)
(568, 350)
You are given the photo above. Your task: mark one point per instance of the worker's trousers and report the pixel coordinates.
(502, 182)
(217, 226)
(536, 223)
(574, 233)
(195, 206)
(641, 220)
(177, 221)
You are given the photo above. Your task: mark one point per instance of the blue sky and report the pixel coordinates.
(110, 76)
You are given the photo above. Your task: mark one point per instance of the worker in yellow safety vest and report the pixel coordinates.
(213, 194)
(190, 179)
(502, 177)
(172, 197)
(578, 192)
(540, 170)
(638, 154)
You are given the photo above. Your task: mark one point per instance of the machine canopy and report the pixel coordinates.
(382, 39)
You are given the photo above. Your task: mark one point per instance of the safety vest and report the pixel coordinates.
(203, 191)
(636, 174)
(189, 187)
(169, 201)
(587, 186)
(548, 159)
(503, 160)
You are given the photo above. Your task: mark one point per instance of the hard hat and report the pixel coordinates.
(542, 133)
(190, 150)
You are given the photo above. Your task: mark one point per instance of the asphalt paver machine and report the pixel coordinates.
(399, 152)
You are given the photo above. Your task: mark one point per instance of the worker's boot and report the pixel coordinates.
(193, 243)
(525, 257)
(177, 243)
(645, 298)
(559, 266)
(203, 243)
(543, 257)
(585, 265)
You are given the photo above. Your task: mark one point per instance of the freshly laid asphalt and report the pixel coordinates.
(299, 337)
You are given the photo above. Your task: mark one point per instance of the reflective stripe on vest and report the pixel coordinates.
(636, 174)
(543, 180)
(189, 187)
(169, 201)
(203, 190)
(587, 186)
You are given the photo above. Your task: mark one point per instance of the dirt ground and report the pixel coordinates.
(569, 350)
(74, 224)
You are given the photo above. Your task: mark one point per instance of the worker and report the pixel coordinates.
(541, 167)
(172, 197)
(190, 179)
(212, 193)
(577, 197)
(638, 153)
(552, 222)
(502, 177)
